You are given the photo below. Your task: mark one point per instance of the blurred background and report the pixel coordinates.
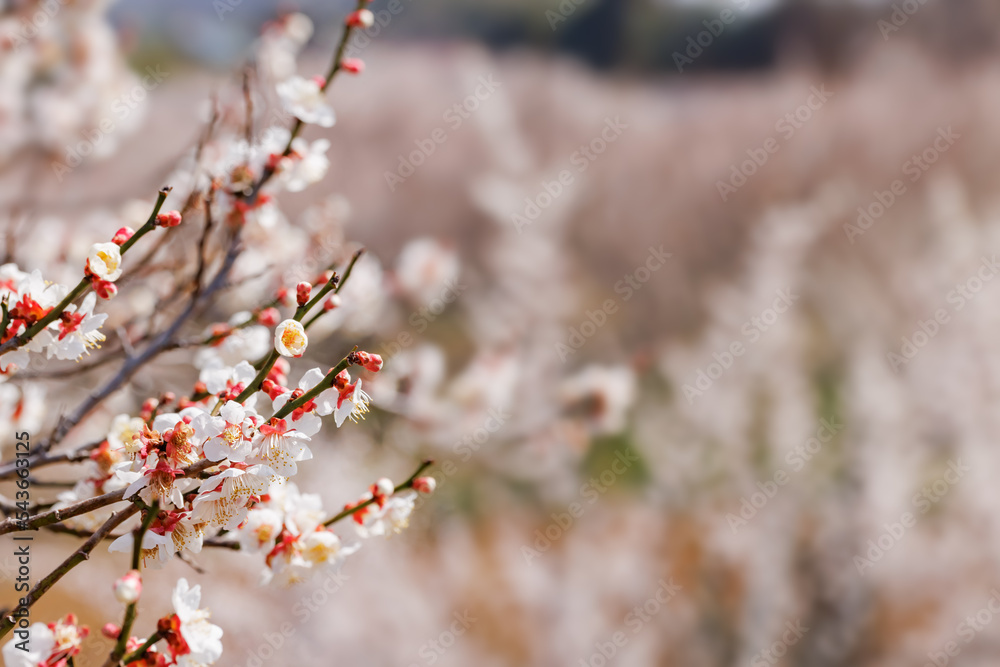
(692, 305)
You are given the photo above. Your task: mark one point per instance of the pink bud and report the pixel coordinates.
(269, 317)
(353, 65)
(425, 485)
(111, 631)
(169, 219)
(372, 362)
(319, 80)
(302, 292)
(105, 289)
(281, 366)
(129, 587)
(122, 235)
(332, 302)
(362, 18)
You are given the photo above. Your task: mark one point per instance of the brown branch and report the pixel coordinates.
(408, 484)
(83, 553)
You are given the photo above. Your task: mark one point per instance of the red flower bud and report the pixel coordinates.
(169, 219)
(371, 362)
(105, 289)
(332, 302)
(111, 631)
(122, 235)
(269, 317)
(425, 484)
(353, 65)
(302, 292)
(362, 18)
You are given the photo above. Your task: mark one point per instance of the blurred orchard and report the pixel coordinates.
(699, 341)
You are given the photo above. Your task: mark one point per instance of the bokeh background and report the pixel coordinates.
(801, 398)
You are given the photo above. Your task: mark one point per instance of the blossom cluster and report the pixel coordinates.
(211, 466)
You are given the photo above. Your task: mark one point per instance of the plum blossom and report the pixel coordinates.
(227, 436)
(192, 639)
(128, 587)
(352, 402)
(290, 339)
(305, 99)
(104, 261)
(223, 499)
(389, 519)
(218, 377)
(78, 331)
(123, 430)
(306, 165)
(155, 481)
(281, 447)
(51, 644)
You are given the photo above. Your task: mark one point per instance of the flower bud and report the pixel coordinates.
(372, 362)
(302, 292)
(280, 368)
(342, 379)
(169, 219)
(353, 65)
(105, 289)
(128, 587)
(200, 388)
(268, 317)
(332, 302)
(362, 18)
(111, 631)
(122, 235)
(383, 487)
(425, 485)
(319, 80)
